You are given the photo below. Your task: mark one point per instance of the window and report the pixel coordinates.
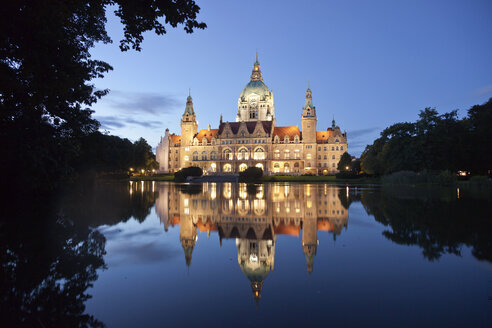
(319, 156)
(195, 156)
(296, 154)
(319, 164)
(324, 149)
(337, 147)
(332, 148)
(319, 148)
(287, 154)
(227, 154)
(259, 154)
(341, 147)
(204, 156)
(325, 157)
(213, 155)
(276, 140)
(286, 168)
(308, 156)
(325, 165)
(333, 157)
(243, 154)
(277, 153)
(286, 139)
(333, 165)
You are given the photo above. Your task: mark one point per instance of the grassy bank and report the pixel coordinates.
(167, 177)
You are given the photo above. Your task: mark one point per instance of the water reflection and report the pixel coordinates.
(253, 215)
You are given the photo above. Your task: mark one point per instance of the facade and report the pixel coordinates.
(254, 139)
(254, 219)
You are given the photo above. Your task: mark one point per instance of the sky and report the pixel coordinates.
(369, 64)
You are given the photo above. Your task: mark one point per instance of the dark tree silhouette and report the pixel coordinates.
(434, 143)
(45, 74)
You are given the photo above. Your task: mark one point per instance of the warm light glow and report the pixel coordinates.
(131, 169)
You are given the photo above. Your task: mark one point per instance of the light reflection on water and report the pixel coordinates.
(155, 253)
(282, 238)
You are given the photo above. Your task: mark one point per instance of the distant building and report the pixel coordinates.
(254, 139)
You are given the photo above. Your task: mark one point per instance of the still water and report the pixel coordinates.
(150, 254)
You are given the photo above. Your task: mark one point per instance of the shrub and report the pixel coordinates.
(251, 174)
(346, 175)
(192, 171)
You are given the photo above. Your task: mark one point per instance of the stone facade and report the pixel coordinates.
(254, 139)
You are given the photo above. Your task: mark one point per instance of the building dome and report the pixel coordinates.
(257, 87)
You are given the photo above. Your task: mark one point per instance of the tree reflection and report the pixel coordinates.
(435, 220)
(46, 268)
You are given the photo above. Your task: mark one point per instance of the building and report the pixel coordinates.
(254, 139)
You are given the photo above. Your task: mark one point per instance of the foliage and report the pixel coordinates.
(192, 171)
(106, 153)
(345, 161)
(45, 278)
(251, 174)
(434, 143)
(433, 220)
(45, 74)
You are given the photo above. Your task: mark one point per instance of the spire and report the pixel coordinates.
(256, 74)
(333, 122)
(309, 100)
(189, 105)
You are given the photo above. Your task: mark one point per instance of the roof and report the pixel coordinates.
(267, 126)
(290, 131)
(322, 136)
(207, 134)
(175, 139)
(257, 87)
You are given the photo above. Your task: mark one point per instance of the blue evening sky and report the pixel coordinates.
(370, 64)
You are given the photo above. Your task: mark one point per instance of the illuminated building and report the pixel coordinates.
(254, 139)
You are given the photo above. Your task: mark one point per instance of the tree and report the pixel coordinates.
(45, 74)
(344, 163)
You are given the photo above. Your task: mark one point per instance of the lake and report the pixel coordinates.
(151, 254)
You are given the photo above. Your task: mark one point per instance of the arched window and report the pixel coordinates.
(286, 139)
(213, 155)
(228, 154)
(286, 168)
(204, 156)
(296, 139)
(319, 156)
(337, 147)
(227, 168)
(276, 140)
(341, 147)
(333, 157)
(259, 154)
(325, 157)
(296, 165)
(195, 156)
(242, 167)
(243, 154)
(276, 165)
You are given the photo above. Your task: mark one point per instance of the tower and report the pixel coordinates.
(255, 102)
(308, 119)
(189, 125)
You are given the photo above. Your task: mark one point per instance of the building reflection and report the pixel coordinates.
(253, 216)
